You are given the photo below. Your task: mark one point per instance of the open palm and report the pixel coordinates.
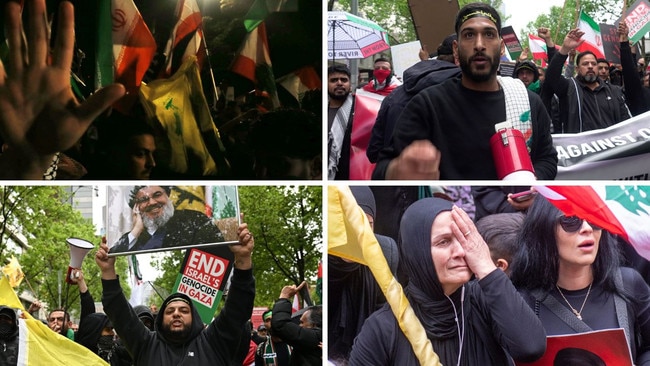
(39, 114)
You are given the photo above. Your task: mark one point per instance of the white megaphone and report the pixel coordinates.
(78, 250)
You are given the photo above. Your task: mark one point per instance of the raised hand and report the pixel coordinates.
(39, 114)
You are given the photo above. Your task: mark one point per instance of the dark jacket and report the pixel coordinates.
(583, 109)
(90, 329)
(185, 227)
(417, 77)
(213, 345)
(305, 341)
(459, 122)
(638, 96)
(9, 342)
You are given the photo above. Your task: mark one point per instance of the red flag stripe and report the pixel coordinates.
(584, 202)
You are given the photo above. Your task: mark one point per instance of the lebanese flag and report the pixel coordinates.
(592, 39)
(133, 45)
(537, 47)
(301, 81)
(186, 38)
(621, 210)
(254, 63)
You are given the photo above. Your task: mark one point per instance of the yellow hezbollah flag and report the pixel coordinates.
(13, 272)
(350, 237)
(38, 345)
(179, 108)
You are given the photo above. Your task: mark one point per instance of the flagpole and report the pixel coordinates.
(201, 5)
(214, 84)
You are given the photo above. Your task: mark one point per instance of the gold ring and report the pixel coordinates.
(468, 232)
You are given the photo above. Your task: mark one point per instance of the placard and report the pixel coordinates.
(142, 219)
(601, 347)
(203, 276)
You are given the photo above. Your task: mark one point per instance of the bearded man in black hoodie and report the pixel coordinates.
(180, 337)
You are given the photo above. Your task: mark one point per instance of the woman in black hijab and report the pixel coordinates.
(481, 321)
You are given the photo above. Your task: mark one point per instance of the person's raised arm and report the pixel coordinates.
(244, 249)
(637, 97)
(39, 115)
(556, 82)
(106, 264)
(87, 301)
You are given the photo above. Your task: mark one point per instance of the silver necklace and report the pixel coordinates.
(576, 312)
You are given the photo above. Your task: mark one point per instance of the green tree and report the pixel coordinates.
(41, 216)
(287, 224)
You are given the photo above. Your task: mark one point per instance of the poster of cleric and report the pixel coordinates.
(144, 219)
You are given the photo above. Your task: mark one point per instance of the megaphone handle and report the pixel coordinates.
(68, 277)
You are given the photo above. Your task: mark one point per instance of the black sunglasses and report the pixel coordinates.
(571, 224)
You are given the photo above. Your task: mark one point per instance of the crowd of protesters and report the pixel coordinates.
(50, 128)
(439, 122)
(487, 291)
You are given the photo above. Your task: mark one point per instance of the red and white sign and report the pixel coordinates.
(202, 276)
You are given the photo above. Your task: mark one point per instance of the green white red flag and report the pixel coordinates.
(593, 40)
(621, 210)
(133, 44)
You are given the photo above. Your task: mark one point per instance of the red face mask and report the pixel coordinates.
(381, 75)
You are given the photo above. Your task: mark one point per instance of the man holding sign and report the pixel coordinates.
(180, 337)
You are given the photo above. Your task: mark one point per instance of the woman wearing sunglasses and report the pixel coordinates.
(567, 269)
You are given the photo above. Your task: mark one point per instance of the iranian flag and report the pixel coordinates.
(621, 210)
(537, 47)
(592, 39)
(133, 44)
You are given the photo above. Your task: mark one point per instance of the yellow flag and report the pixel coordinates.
(13, 272)
(350, 237)
(39, 345)
(8, 295)
(180, 109)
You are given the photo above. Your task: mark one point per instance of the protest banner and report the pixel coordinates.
(512, 42)
(143, 219)
(203, 276)
(601, 347)
(366, 106)
(637, 18)
(619, 152)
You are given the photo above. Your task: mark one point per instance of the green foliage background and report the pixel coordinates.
(43, 215)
